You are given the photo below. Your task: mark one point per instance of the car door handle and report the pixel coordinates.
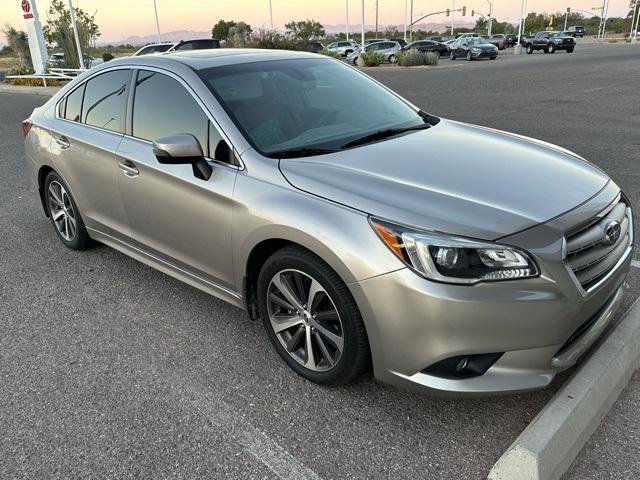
(63, 142)
(128, 168)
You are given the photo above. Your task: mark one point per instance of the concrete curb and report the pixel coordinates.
(551, 442)
(44, 91)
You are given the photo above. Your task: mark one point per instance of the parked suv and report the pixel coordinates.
(387, 48)
(202, 44)
(549, 42)
(512, 39)
(498, 40)
(576, 31)
(343, 47)
(360, 230)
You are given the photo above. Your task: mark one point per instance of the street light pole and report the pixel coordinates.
(75, 34)
(405, 21)
(362, 25)
(606, 17)
(411, 23)
(566, 17)
(453, 14)
(155, 9)
(490, 2)
(376, 18)
(517, 50)
(271, 14)
(347, 20)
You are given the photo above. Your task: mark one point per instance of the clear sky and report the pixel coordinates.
(119, 19)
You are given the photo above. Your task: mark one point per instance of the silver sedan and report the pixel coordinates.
(362, 231)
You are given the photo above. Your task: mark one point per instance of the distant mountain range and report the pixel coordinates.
(177, 35)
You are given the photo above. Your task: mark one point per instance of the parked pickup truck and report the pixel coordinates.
(549, 42)
(576, 31)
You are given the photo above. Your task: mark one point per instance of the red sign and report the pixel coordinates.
(26, 6)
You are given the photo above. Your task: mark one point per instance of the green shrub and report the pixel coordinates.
(370, 59)
(20, 70)
(329, 53)
(34, 82)
(413, 58)
(271, 39)
(106, 56)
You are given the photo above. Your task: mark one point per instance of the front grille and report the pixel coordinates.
(593, 251)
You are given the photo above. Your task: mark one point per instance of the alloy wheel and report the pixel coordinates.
(61, 210)
(305, 320)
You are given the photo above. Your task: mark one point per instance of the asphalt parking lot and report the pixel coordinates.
(111, 369)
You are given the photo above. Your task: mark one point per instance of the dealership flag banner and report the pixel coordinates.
(37, 45)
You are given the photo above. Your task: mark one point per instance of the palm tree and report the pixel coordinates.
(19, 42)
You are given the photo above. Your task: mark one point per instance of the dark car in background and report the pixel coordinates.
(497, 40)
(472, 48)
(549, 42)
(440, 49)
(199, 44)
(401, 41)
(524, 39)
(511, 39)
(312, 46)
(576, 31)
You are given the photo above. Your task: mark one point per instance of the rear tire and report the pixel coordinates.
(64, 214)
(437, 54)
(329, 319)
(569, 50)
(392, 58)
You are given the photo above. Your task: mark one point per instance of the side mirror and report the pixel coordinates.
(182, 149)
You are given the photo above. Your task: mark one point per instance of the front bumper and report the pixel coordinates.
(485, 54)
(414, 323)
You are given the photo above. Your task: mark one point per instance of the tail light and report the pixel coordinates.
(26, 126)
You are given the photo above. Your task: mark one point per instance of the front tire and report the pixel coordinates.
(392, 58)
(569, 50)
(551, 49)
(469, 56)
(311, 318)
(452, 56)
(529, 49)
(437, 54)
(64, 214)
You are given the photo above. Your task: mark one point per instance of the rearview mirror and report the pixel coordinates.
(182, 149)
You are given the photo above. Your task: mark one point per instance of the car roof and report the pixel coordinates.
(200, 59)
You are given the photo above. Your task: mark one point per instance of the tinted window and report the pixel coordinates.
(162, 107)
(73, 109)
(289, 104)
(105, 100)
(185, 46)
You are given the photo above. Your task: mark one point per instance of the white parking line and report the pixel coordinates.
(225, 419)
(635, 263)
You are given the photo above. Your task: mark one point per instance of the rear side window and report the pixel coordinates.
(105, 100)
(162, 106)
(72, 106)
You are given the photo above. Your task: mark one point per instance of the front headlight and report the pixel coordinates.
(453, 259)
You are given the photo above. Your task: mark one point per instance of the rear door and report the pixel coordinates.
(87, 133)
(173, 215)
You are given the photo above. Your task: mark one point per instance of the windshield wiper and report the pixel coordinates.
(300, 152)
(382, 134)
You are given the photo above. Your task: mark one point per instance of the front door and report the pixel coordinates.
(172, 214)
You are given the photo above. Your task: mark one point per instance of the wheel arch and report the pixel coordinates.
(42, 176)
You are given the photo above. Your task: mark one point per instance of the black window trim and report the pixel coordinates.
(238, 163)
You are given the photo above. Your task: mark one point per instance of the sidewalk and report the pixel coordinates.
(45, 91)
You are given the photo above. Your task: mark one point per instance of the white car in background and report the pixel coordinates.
(387, 48)
(343, 47)
(154, 48)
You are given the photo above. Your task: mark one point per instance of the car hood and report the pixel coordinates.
(453, 178)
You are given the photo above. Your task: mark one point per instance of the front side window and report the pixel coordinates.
(185, 46)
(162, 107)
(105, 100)
(305, 103)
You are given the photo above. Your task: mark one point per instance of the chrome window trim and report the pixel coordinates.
(176, 77)
(625, 256)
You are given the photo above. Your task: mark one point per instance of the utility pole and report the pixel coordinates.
(347, 20)
(376, 18)
(75, 34)
(271, 14)
(566, 17)
(155, 9)
(606, 17)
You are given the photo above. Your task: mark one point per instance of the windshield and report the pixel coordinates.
(305, 103)
(477, 41)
